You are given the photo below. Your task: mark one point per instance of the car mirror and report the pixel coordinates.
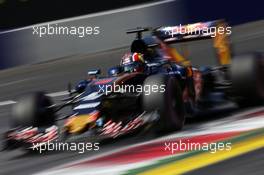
(94, 72)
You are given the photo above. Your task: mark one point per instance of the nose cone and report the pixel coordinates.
(79, 123)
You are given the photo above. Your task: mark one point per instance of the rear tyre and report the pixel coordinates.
(32, 110)
(247, 74)
(167, 101)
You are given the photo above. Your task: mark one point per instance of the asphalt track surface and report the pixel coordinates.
(53, 77)
(249, 163)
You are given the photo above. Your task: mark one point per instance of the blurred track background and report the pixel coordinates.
(53, 76)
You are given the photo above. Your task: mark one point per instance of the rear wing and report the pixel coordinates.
(216, 30)
(195, 31)
(138, 31)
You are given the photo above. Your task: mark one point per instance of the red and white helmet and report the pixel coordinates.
(133, 62)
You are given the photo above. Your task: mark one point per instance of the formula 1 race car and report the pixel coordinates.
(153, 86)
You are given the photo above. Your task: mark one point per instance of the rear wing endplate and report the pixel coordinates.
(216, 30)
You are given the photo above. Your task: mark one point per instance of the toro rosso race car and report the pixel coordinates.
(154, 85)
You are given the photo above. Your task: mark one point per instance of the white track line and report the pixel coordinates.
(8, 102)
(54, 94)
(113, 170)
(57, 94)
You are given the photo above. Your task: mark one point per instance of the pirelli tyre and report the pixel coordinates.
(167, 101)
(33, 110)
(247, 75)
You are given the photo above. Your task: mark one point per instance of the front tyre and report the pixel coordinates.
(33, 110)
(167, 101)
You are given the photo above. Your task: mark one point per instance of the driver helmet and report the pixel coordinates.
(133, 62)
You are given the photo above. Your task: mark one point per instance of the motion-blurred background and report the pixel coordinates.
(19, 46)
